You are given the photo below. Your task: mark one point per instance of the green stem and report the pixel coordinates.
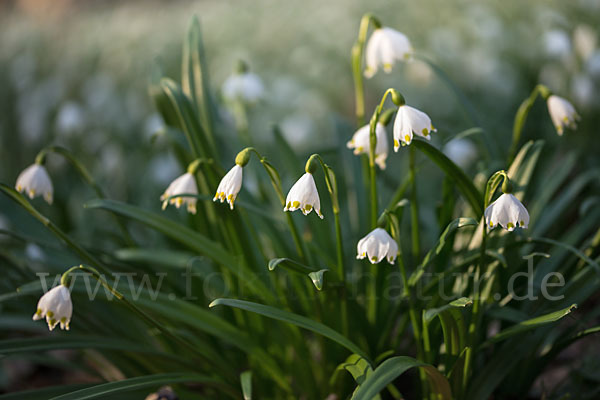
(241, 121)
(521, 117)
(87, 177)
(357, 56)
(276, 183)
(398, 100)
(331, 182)
(414, 206)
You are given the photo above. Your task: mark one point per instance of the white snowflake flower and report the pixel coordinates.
(56, 306)
(230, 186)
(410, 121)
(507, 211)
(185, 184)
(35, 181)
(384, 48)
(304, 196)
(376, 246)
(360, 142)
(562, 113)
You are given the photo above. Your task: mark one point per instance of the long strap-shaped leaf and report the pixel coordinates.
(106, 390)
(394, 367)
(294, 319)
(189, 238)
(464, 184)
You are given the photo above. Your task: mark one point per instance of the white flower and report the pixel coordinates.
(360, 142)
(244, 86)
(562, 113)
(410, 121)
(304, 196)
(385, 46)
(507, 211)
(376, 246)
(34, 181)
(462, 152)
(56, 306)
(230, 186)
(185, 184)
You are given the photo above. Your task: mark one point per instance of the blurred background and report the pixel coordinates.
(76, 74)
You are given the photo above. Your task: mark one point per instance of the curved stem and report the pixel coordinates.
(276, 182)
(521, 118)
(87, 177)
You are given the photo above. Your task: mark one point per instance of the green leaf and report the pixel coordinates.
(522, 167)
(246, 381)
(44, 393)
(359, 368)
(295, 319)
(464, 184)
(529, 324)
(105, 390)
(194, 77)
(392, 368)
(160, 257)
(450, 229)
(316, 276)
(189, 238)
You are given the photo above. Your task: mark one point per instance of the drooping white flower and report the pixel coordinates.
(230, 186)
(410, 121)
(56, 306)
(376, 246)
(185, 184)
(244, 86)
(507, 211)
(461, 151)
(35, 181)
(360, 142)
(562, 113)
(385, 46)
(304, 196)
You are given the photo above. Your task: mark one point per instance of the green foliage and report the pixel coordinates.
(300, 309)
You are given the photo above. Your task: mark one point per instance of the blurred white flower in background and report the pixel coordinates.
(360, 142)
(34, 252)
(557, 43)
(56, 306)
(70, 118)
(562, 113)
(411, 121)
(243, 86)
(376, 246)
(185, 184)
(585, 40)
(461, 151)
(508, 212)
(384, 48)
(593, 65)
(583, 90)
(304, 196)
(230, 185)
(153, 124)
(296, 129)
(35, 181)
(162, 168)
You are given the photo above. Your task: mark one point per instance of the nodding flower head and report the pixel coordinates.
(230, 186)
(410, 121)
(34, 181)
(304, 196)
(185, 184)
(562, 113)
(384, 48)
(376, 246)
(508, 212)
(56, 307)
(361, 143)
